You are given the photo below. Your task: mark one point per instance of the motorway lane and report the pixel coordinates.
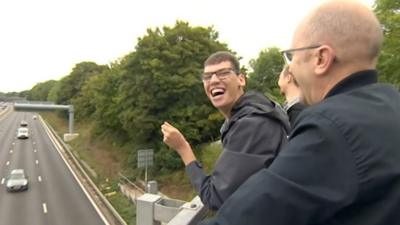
(7, 133)
(25, 203)
(53, 199)
(11, 158)
(57, 171)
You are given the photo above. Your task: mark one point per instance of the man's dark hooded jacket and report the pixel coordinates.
(251, 139)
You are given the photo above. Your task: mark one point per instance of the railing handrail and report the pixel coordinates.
(131, 183)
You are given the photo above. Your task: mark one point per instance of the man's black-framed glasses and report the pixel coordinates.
(221, 74)
(288, 54)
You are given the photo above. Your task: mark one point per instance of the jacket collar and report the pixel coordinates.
(253, 102)
(288, 105)
(355, 80)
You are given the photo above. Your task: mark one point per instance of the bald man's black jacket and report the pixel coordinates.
(341, 165)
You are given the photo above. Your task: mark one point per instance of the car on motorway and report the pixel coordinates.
(17, 181)
(23, 133)
(23, 123)
(34, 117)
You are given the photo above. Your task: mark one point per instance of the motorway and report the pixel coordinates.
(54, 196)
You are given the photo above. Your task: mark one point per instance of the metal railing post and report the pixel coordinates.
(145, 209)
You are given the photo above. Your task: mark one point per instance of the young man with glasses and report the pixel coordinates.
(341, 164)
(254, 130)
(290, 89)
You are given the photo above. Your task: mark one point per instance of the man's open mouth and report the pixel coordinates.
(217, 92)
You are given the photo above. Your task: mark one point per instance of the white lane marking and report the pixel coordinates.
(34, 142)
(37, 162)
(39, 178)
(2, 180)
(8, 163)
(13, 143)
(44, 207)
(34, 150)
(11, 151)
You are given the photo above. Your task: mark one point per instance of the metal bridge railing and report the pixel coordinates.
(154, 210)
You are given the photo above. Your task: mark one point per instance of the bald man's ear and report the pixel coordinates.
(325, 58)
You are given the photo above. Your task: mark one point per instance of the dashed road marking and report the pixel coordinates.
(2, 180)
(37, 162)
(39, 178)
(34, 150)
(8, 163)
(44, 207)
(11, 151)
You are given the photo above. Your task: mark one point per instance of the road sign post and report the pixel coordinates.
(145, 159)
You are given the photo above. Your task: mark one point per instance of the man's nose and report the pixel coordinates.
(214, 78)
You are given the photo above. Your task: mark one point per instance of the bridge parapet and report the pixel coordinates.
(155, 210)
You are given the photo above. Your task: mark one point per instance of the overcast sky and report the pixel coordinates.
(42, 40)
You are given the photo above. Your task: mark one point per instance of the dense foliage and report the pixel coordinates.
(265, 73)
(40, 91)
(388, 12)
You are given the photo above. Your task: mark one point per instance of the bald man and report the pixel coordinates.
(341, 165)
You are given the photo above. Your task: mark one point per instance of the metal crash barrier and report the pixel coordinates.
(153, 210)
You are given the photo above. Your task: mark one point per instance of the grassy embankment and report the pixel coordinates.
(107, 160)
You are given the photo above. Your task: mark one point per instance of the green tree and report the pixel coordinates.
(53, 92)
(40, 91)
(70, 85)
(98, 100)
(161, 83)
(265, 73)
(22, 94)
(388, 12)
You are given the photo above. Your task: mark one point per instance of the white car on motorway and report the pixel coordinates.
(23, 133)
(17, 181)
(23, 123)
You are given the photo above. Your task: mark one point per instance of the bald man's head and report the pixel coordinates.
(349, 27)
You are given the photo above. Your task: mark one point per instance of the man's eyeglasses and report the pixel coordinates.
(288, 54)
(221, 74)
